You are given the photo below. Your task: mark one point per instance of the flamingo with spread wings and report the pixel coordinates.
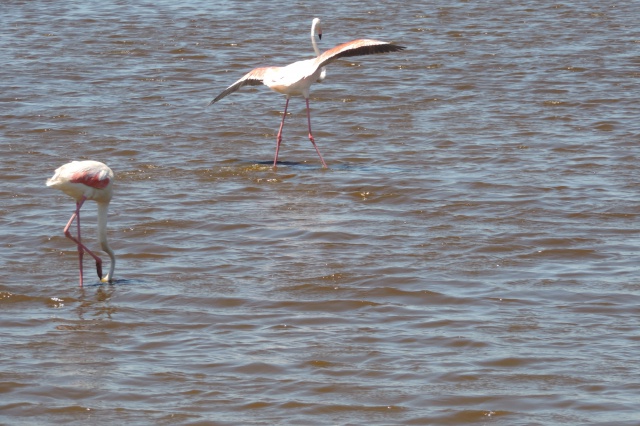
(297, 78)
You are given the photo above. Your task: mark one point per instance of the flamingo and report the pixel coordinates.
(297, 78)
(87, 180)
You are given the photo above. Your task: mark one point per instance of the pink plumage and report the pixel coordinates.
(87, 180)
(297, 78)
(99, 180)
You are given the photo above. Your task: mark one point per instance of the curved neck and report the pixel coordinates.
(102, 237)
(313, 39)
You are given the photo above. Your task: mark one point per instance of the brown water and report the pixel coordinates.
(470, 256)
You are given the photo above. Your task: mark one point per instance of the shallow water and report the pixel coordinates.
(469, 256)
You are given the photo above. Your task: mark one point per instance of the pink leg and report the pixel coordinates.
(311, 136)
(279, 137)
(81, 247)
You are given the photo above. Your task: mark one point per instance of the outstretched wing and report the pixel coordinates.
(358, 47)
(254, 77)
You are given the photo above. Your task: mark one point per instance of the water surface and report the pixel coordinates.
(469, 256)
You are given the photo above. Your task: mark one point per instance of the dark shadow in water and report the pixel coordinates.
(335, 165)
(279, 163)
(360, 167)
(114, 282)
(305, 165)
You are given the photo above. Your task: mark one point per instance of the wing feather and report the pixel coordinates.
(254, 77)
(98, 180)
(358, 47)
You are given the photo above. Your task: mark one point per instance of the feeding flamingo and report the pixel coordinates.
(87, 180)
(297, 78)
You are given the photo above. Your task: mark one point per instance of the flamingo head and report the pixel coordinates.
(317, 28)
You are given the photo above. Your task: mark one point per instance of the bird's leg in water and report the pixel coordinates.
(279, 137)
(80, 250)
(311, 136)
(81, 247)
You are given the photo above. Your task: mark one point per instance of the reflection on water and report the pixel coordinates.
(469, 256)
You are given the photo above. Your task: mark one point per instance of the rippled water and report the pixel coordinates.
(469, 256)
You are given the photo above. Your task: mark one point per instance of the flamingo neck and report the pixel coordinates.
(313, 39)
(102, 237)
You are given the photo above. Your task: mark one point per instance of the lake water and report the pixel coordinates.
(470, 256)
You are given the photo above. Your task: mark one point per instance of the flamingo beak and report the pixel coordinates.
(99, 270)
(320, 36)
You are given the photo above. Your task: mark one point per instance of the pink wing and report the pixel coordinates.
(254, 77)
(98, 179)
(358, 47)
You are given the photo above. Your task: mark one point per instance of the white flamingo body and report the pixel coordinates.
(296, 79)
(82, 181)
(90, 179)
